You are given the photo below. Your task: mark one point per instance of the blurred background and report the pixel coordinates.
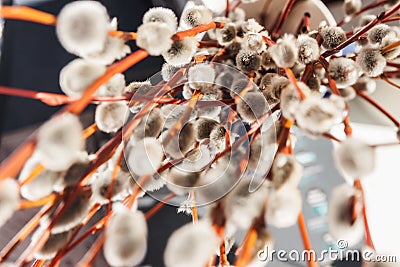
(31, 58)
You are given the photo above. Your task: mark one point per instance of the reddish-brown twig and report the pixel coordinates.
(282, 17)
(373, 5)
(367, 98)
(363, 30)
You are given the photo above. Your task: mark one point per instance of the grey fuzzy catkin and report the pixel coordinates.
(248, 61)
(332, 37)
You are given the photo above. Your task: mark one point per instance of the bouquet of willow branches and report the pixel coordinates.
(213, 125)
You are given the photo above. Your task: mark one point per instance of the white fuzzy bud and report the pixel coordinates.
(351, 6)
(238, 86)
(218, 136)
(244, 203)
(266, 81)
(181, 142)
(314, 83)
(181, 52)
(141, 88)
(126, 239)
(74, 174)
(59, 142)
(344, 71)
(284, 52)
(172, 113)
(77, 75)
(248, 61)
(154, 37)
(371, 61)
(308, 49)
(378, 32)
(9, 199)
(339, 216)
(286, 171)
(181, 181)
(252, 106)
(203, 128)
(364, 20)
(394, 52)
(114, 49)
(227, 34)
(199, 158)
(161, 15)
(201, 76)
(73, 215)
(237, 15)
(82, 27)
(391, 3)
(154, 183)
(145, 156)
(290, 99)
(114, 86)
(111, 116)
(41, 185)
(332, 36)
(348, 93)
(316, 115)
(168, 71)
(196, 16)
(266, 61)
(251, 25)
(254, 42)
(191, 245)
(102, 182)
(284, 207)
(365, 84)
(151, 125)
(54, 243)
(354, 158)
(278, 83)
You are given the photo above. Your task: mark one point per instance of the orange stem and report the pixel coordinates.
(115, 173)
(121, 66)
(390, 47)
(50, 99)
(368, 237)
(25, 204)
(248, 247)
(36, 171)
(89, 131)
(196, 30)
(11, 166)
(127, 36)
(27, 14)
(306, 238)
(292, 78)
(23, 233)
(38, 263)
(222, 253)
(195, 215)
